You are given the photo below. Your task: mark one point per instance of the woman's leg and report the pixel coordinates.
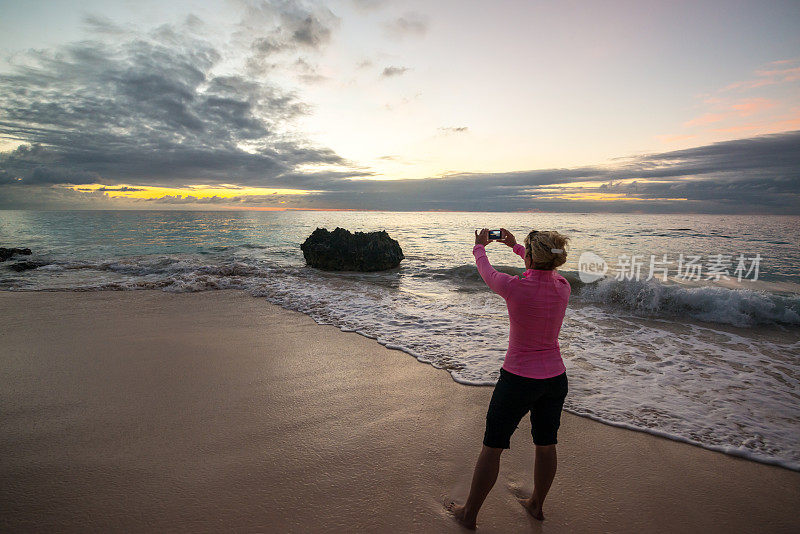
(544, 471)
(483, 478)
(545, 421)
(507, 407)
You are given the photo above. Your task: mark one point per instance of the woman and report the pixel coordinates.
(533, 377)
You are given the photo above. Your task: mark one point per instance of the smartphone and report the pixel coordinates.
(495, 235)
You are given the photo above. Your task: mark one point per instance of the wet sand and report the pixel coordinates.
(218, 412)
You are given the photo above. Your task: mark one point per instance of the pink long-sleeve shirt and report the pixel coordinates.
(536, 307)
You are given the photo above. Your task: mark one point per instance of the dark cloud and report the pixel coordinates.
(38, 197)
(726, 195)
(393, 71)
(149, 110)
(764, 154)
(103, 25)
(188, 199)
(145, 112)
(758, 175)
(409, 24)
(194, 23)
(307, 72)
(275, 27)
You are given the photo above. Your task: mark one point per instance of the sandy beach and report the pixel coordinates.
(148, 411)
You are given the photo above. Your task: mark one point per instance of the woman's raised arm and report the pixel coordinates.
(498, 282)
(509, 239)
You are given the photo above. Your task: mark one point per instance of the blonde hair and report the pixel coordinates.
(547, 249)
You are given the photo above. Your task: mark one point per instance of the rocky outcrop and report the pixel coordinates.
(6, 253)
(26, 265)
(341, 250)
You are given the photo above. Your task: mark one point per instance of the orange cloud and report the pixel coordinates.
(730, 109)
(706, 118)
(749, 106)
(782, 75)
(792, 123)
(726, 113)
(769, 76)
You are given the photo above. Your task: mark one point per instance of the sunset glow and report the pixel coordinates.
(352, 104)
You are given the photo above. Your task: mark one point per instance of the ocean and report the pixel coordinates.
(707, 350)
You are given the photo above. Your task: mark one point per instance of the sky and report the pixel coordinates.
(611, 106)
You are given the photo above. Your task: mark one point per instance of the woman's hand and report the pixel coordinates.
(482, 238)
(507, 238)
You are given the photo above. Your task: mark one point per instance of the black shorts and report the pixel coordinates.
(513, 397)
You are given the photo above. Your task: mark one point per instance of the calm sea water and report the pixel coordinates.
(711, 362)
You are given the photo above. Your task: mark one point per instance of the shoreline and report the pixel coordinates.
(724, 449)
(127, 353)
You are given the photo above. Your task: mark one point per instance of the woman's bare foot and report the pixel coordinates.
(533, 508)
(458, 514)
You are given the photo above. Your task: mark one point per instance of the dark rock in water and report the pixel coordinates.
(26, 265)
(341, 250)
(6, 253)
